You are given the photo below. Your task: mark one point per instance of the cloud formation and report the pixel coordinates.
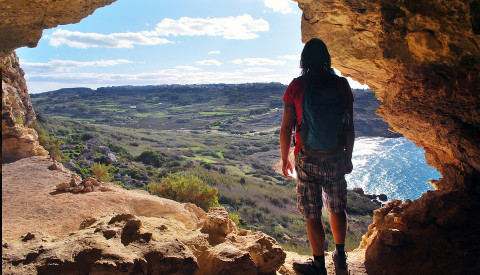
(294, 57)
(258, 61)
(93, 40)
(241, 27)
(57, 65)
(213, 52)
(281, 6)
(208, 62)
(258, 70)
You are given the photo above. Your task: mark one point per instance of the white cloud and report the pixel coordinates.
(187, 68)
(293, 57)
(208, 62)
(57, 65)
(259, 61)
(213, 52)
(258, 70)
(113, 40)
(239, 27)
(281, 6)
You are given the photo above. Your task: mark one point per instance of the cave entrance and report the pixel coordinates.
(378, 153)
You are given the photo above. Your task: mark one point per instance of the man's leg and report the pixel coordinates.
(316, 236)
(338, 222)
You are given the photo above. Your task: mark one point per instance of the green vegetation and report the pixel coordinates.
(50, 143)
(185, 187)
(148, 157)
(19, 120)
(100, 171)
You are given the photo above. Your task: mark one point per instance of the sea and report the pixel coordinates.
(391, 166)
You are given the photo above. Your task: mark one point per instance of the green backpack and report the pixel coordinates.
(325, 118)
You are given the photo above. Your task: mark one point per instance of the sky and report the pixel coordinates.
(151, 42)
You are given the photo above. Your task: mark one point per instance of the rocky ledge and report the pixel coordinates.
(125, 243)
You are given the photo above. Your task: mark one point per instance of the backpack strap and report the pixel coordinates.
(343, 92)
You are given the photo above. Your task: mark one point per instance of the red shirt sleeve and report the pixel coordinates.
(288, 96)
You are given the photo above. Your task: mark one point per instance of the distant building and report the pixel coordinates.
(133, 107)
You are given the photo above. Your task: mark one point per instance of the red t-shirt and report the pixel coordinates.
(294, 94)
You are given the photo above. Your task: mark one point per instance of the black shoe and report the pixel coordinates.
(308, 268)
(340, 262)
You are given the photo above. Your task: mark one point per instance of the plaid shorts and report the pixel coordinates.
(321, 182)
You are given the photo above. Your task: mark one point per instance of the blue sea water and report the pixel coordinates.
(391, 166)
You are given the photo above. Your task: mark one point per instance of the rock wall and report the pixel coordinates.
(18, 138)
(22, 22)
(422, 59)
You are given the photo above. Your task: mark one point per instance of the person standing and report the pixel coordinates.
(313, 107)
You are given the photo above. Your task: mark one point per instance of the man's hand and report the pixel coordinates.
(287, 169)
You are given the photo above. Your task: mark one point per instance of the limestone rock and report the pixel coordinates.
(226, 259)
(19, 140)
(422, 59)
(22, 22)
(90, 251)
(217, 222)
(266, 253)
(127, 243)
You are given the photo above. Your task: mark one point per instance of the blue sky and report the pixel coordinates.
(148, 42)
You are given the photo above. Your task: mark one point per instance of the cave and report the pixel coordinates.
(422, 59)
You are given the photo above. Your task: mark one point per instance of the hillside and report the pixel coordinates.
(238, 163)
(234, 108)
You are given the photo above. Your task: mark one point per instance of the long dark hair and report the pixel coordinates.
(315, 58)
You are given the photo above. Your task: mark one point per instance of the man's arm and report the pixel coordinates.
(350, 139)
(286, 138)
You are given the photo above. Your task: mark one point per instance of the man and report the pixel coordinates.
(321, 173)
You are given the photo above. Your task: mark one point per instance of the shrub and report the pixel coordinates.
(87, 136)
(183, 187)
(152, 158)
(100, 171)
(51, 144)
(234, 217)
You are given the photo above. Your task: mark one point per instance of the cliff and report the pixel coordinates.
(422, 59)
(18, 138)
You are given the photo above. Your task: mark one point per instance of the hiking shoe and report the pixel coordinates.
(308, 268)
(340, 262)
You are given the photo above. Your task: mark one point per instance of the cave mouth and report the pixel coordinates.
(367, 172)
